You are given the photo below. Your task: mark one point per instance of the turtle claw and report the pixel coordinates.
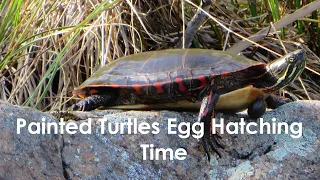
(205, 147)
(85, 105)
(80, 106)
(214, 143)
(74, 107)
(214, 148)
(93, 102)
(274, 101)
(219, 142)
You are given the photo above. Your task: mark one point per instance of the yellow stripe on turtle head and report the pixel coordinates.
(287, 68)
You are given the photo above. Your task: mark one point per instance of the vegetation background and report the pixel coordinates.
(49, 47)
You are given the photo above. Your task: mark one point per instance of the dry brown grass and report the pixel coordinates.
(67, 41)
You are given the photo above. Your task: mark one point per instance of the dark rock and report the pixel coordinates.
(258, 156)
(280, 156)
(119, 156)
(27, 156)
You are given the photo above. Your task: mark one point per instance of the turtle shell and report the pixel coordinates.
(173, 71)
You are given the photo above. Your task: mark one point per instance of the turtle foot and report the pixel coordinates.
(87, 104)
(257, 108)
(214, 141)
(274, 101)
(93, 102)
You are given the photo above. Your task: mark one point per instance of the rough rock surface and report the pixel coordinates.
(24, 155)
(279, 156)
(106, 156)
(117, 156)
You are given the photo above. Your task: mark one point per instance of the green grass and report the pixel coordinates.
(49, 47)
(299, 24)
(253, 7)
(275, 11)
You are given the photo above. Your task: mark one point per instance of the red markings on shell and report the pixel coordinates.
(159, 87)
(225, 72)
(181, 86)
(202, 80)
(137, 88)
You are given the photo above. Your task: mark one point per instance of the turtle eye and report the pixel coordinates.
(291, 59)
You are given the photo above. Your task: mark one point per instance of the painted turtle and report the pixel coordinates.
(219, 79)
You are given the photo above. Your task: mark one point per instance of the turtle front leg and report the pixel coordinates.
(94, 101)
(206, 114)
(257, 108)
(274, 101)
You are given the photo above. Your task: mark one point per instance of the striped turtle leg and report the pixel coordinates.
(95, 101)
(205, 115)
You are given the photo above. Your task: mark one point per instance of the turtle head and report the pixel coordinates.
(287, 68)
